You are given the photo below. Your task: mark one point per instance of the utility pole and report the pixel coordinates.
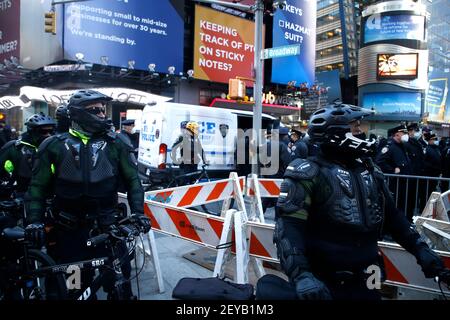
(258, 85)
(258, 9)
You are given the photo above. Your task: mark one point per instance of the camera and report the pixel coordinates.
(280, 4)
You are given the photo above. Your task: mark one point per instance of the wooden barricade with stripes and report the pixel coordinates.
(401, 267)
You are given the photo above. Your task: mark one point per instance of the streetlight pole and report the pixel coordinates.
(257, 87)
(258, 9)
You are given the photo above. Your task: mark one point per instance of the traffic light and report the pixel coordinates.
(50, 22)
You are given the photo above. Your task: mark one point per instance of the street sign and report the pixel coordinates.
(65, 68)
(284, 51)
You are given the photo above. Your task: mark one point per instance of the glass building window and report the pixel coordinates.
(329, 52)
(324, 20)
(328, 35)
(325, 3)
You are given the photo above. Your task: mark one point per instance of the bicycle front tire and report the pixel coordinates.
(37, 289)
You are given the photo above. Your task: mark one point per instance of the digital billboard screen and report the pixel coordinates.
(437, 103)
(9, 29)
(394, 105)
(397, 66)
(116, 32)
(223, 46)
(295, 24)
(394, 27)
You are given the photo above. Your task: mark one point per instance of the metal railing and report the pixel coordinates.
(412, 192)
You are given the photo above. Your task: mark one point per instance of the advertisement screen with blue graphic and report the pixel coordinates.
(115, 32)
(394, 27)
(394, 105)
(295, 24)
(437, 102)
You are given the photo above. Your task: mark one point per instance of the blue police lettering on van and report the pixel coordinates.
(210, 128)
(149, 136)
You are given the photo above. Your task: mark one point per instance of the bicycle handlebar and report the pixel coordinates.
(120, 231)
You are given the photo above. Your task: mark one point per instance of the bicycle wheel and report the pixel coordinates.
(31, 287)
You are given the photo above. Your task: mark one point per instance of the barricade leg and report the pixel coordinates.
(238, 195)
(258, 267)
(148, 248)
(224, 250)
(242, 247)
(155, 259)
(256, 201)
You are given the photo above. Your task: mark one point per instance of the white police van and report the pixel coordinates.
(160, 126)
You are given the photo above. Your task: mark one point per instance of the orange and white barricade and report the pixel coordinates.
(148, 248)
(261, 188)
(401, 267)
(437, 206)
(169, 213)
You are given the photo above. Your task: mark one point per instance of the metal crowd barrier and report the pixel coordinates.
(412, 192)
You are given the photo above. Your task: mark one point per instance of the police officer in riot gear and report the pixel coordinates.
(17, 156)
(331, 211)
(82, 168)
(62, 119)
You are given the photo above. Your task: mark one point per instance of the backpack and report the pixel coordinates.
(212, 288)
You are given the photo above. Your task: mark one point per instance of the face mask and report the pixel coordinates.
(133, 130)
(405, 138)
(436, 143)
(417, 135)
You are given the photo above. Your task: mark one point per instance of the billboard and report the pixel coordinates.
(397, 66)
(394, 105)
(146, 32)
(394, 27)
(295, 24)
(223, 46)
(437, 103)
(9, 29)
(326, 89)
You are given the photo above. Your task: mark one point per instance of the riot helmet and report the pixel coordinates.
(40, 126)
(331, 128)
(85, 108)
(62, 118)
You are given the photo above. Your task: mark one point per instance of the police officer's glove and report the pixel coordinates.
(142, 221)
(309, 287)
(35, 233)
(430, 262)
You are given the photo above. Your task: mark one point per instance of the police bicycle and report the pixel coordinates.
(20, 257)
(30, 274)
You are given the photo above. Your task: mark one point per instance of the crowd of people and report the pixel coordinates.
(69, 181)
(334, 202)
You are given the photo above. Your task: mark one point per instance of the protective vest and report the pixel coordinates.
(25, 164)
(85, 169)
(355, 204)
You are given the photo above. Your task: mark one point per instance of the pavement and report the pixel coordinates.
(172, 253)
(180, 258)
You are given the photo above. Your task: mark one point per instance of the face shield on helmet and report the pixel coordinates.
(333, 127)
(87, 108)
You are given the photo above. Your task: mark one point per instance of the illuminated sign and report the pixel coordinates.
(223, 46)
(397, 66)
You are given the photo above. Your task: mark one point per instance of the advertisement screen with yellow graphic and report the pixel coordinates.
(223, 46)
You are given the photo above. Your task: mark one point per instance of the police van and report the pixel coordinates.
(161, 125)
